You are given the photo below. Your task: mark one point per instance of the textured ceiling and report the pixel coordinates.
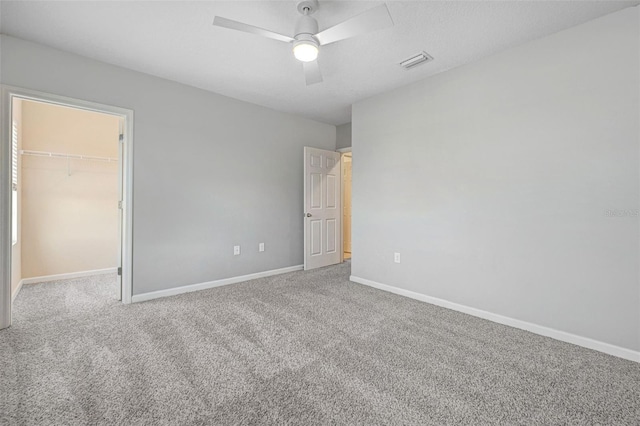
(175, 40)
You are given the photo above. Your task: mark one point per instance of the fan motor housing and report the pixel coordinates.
(305, 39)
(306, 25)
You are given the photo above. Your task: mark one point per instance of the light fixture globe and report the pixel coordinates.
(305, 50)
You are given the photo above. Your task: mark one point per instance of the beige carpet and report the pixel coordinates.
(302, 348)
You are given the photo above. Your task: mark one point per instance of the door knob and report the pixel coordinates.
(308, 215)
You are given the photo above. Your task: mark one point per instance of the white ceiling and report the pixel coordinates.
(175, 40)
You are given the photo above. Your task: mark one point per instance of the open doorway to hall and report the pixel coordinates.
(347, 162)
(67, 189)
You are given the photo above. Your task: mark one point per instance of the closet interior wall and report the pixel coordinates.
(69, 210)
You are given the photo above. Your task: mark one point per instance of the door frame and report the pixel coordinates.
(8, 93)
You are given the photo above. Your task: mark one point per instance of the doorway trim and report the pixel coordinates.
(126, 238)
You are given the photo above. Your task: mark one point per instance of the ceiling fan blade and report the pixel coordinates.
(219, 21)
(312, 73)
(371, 20)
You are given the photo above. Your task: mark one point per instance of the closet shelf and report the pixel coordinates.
(67, 156)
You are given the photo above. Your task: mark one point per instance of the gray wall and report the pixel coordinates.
(210, 172)
(493, 181)
(343, 136)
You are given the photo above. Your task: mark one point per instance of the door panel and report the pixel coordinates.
(331, 191)
(323, 208)
(316, 191)
(331, 235)
(316, 237)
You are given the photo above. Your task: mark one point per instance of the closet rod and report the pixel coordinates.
(67, 156)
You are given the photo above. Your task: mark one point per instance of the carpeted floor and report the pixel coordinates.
(302, 348)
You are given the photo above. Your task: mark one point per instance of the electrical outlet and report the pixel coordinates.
(396, 257)
(261, 247)
(236, 250)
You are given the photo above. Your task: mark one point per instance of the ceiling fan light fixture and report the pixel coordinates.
(305, 50)
(307, 40)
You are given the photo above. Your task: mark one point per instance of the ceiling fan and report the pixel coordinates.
(307, 39)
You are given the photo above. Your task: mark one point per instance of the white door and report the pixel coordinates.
(322, 208)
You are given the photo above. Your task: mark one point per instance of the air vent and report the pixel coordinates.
(416, 60)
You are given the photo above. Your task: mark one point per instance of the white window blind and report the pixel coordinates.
(14, 183)
(14, 157)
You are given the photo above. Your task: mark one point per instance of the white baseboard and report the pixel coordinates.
(512, 322)
(47, 278)
(210, 284)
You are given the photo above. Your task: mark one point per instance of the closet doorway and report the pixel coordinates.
(70, 192)
(347, 161)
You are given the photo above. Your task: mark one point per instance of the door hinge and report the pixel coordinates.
(119, 270)
(120, 205)
(121, 137)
